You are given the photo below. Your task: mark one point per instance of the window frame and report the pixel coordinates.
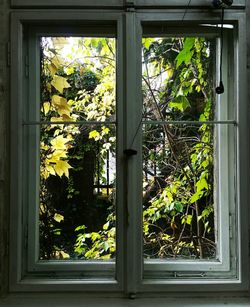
(20, 271)
(239, 282)
(130, 269)
(224, 166)
(116, 3)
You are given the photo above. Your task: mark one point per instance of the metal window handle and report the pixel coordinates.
(130, 152)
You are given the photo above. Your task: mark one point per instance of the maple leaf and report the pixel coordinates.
(58, 143)
(61, 105)
(62, 167)
(59, 83)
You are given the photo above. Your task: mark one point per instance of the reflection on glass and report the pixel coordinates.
(77, 161)
(178, 158)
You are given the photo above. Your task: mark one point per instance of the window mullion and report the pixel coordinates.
(133, 163)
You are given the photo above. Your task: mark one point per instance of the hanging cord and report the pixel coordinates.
(187, 7)
(220, 89)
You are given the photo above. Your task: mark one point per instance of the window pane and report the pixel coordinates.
(78, 160)
(177, 78)
(178, 192)
(78, 78)
(179, 160)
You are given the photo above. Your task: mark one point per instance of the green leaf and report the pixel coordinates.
(187, 219)
(195, 197)
(181, 103)
(146, 42)
(82, 227)
(201, 184)
(186, 53)
(178, 206)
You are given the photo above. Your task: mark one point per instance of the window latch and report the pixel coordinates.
(130, 152)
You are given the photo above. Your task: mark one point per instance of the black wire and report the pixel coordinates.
(187, 7)
(136, 132)
(222, 40)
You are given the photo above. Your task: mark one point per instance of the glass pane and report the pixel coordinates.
(77, 219)
(77, 192)
(178, 192)
(78, 79)
(178, 78)
(179, 203)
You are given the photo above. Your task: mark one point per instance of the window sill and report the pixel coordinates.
(75, 300)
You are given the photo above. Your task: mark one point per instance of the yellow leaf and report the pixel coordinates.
(64, 255)
(56, 119)
(61, 105)
(56, 156)
(94, 135)
(46, 107)
(58, 217)
(59, 142)
(105, 130)
(59, 83)
(66, 118)
(58, 100)
(52, 68)
(62, 167)
(56, 61)
(64, 110)
(69, 70)
(50, 170)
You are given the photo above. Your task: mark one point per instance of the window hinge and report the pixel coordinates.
(129, 5)
(230, 226)
(26, 68)
(8, 54)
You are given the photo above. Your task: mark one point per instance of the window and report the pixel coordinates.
(129, 171)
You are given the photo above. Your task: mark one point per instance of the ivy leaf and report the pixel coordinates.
(181, 103)
(195, 197)
(201, 184)
(59, 83)
(187, 219)
(186, 53)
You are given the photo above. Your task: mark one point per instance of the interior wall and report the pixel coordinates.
(4, 152)
(5, 133)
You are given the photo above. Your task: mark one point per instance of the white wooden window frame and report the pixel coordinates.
(129, 264)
